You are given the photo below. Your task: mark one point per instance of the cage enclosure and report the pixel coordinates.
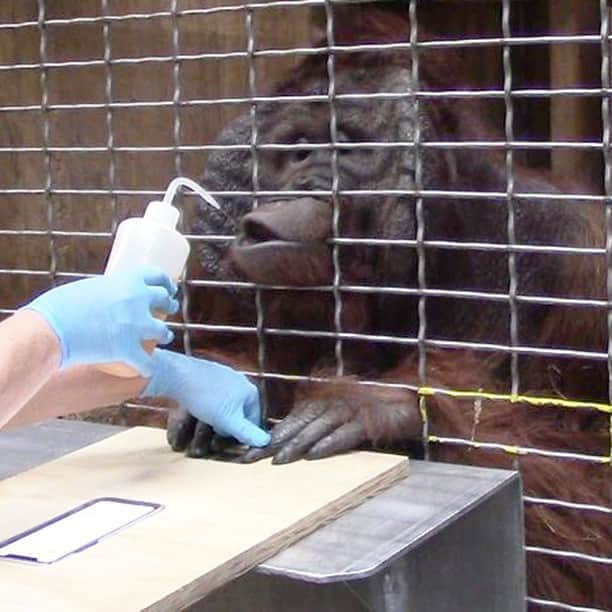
(414, 250)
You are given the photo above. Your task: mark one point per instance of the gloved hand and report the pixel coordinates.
(105, 319)
(213, 393)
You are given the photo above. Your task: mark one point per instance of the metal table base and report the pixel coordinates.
(446, 538)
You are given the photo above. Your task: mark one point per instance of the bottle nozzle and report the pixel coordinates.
(164, 213)
(181, 181)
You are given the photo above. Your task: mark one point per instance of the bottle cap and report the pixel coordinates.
(162, 213)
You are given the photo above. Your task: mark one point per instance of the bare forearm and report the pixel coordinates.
(29, 356)
(76, 390)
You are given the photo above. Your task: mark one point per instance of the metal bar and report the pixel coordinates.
(413, 291)
(566, 554)
(420, 230)
(316, 98)
(309, 51)
(259, 303)
(110, 142)
(398, 340)
(510, 227)
(110, 132)
(607, 154)
(389, 290)
(433, 193)
(558, 605)
(178, 160)
(434, 244)
(494, 247)
(401, 340)
(527, 450)
(464, 145)
(566, 505)
(335, 200)
(287, 3)
(446, 194)
(45, 139)
(233, 8)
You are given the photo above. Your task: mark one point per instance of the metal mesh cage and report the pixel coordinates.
(103, 102)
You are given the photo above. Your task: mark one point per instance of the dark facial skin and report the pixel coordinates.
(284, 241)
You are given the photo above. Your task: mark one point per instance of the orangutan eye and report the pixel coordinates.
(301, 155)
(343, 138)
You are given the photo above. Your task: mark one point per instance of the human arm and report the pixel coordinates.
(30, 353)
(213, 393)
(101, 320)
(63, 394)
(97, 320)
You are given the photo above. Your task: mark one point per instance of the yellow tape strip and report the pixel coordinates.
(516, 399)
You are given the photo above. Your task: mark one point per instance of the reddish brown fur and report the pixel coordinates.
(560, 429)
(548, 428)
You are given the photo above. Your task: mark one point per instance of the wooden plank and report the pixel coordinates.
(219, 520)
(575, 118)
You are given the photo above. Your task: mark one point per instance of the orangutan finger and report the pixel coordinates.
(344, 438)
(288, 428)
(200, 443)
(317, 430)
(256, 454)
(221, 445)
(181, 426)
(297, 420)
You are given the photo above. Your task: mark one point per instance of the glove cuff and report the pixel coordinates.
(161, 372)
(49, 317)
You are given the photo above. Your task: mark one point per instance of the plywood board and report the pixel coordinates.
(219, 520)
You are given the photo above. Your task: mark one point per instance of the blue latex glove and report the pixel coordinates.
(106, 319)
(213, 393)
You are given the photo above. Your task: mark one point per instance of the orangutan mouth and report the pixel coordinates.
(278, 262)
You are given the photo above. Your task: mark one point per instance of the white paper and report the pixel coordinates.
(75, 531)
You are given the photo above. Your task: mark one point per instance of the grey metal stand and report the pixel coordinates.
(447, 538)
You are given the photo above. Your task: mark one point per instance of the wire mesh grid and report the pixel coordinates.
(106, 189)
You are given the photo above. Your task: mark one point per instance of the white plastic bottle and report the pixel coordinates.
(149, 240)
(152, 240)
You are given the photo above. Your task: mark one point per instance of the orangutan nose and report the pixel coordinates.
(257, 229)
